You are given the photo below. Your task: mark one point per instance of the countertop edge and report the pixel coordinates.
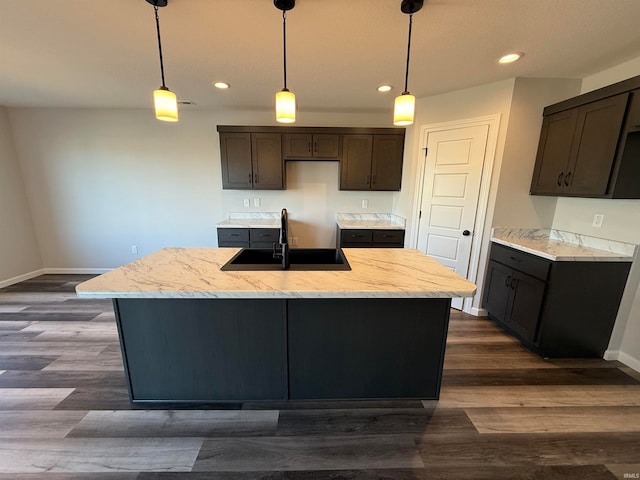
(561, 258)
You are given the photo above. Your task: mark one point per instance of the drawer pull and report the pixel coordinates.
(234, 235)
(507, 282)
(560, 179)
(567, 179)
(515, 259)
(514, 282)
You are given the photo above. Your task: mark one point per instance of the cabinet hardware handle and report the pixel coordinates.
(515, 259)
(309, 147)
(356, 236)
(560, 179)
(250, 178)
(567, 179)
(255, 178)
(373, 179)
(234, 235)
(367, 178)
(514, 282)
(315, 147)
(508, 281)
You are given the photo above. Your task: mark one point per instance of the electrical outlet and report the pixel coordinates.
(134, 249)
(246, 202)
(256, 202)
(365, 203)
(598, 218)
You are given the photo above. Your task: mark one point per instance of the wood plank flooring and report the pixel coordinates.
(504, 413)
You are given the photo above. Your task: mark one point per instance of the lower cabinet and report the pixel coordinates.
(350, 238)
(558, 309)
(248, 237)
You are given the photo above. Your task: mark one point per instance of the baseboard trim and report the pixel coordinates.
(477, 312)
(21, 278)
(76, 271)
(623, 357)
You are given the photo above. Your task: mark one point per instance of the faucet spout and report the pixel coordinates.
(283, 241)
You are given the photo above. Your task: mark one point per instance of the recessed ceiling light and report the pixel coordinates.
(510, 57)
(221, 85)
(385, 88)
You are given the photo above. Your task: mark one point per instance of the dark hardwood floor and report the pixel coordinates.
(504, 413)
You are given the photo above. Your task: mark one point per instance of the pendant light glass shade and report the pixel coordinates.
(285, 106)
(404, 109)
(166, 105)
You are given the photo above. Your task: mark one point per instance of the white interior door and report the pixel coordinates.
(450, 190)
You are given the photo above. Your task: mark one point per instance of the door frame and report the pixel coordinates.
(493, 121)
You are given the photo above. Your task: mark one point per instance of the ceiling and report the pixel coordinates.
(86, 53)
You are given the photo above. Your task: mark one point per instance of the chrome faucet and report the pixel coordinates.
(283, 242)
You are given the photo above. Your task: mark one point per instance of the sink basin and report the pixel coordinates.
(300, 259)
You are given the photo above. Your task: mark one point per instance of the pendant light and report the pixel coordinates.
(164, 100)
(405, 103)
(285, 100)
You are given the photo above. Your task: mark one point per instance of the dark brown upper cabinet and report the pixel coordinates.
(589, 145)
(371, 162)
(302, 146)
(253, 157)
(252, 161)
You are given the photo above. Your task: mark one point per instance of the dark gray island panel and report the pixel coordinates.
(198, 350)
(367, 347)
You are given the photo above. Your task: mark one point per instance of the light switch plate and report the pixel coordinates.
(365, 203)
(598, 218)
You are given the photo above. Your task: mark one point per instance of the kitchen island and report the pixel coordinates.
(190, 332)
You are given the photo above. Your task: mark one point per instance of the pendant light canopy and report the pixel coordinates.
(405, 104)
(164, 100)
(285, 100)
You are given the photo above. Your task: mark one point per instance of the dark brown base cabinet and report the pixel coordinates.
(217, 350)
(362, 238)
(557, 309)
(248, 237)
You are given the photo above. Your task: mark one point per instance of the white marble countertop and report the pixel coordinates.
(558, 245)
(376, 221)
(251, 220)
(195, 273)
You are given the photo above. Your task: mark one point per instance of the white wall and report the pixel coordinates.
(621, 222)
(102, 180)
(19, 254)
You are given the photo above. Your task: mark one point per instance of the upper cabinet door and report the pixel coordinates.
(554, 151)
(268, 166)
(386, 162)
(326, 146)
(355, 166)
(297, 145)
(594, 147)
(235, 153)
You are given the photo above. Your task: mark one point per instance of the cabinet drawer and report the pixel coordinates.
(388, 236)
(524, 262)
(234, 235)
(356, 236)
(264, 235)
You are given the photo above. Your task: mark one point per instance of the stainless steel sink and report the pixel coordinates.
(300, 259)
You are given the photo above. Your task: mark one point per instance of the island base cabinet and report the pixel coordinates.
(200, 350)
(366, 348)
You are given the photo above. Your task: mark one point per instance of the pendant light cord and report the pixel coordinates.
(284, 45)
(406, 77)
(155, 7)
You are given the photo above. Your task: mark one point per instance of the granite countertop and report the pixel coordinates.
(381, 221)
(251, 220)
(195, 273)
(558, 245)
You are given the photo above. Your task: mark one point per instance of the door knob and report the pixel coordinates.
(466, 233)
